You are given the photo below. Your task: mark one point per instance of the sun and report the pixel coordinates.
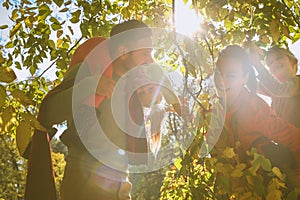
(187, 21)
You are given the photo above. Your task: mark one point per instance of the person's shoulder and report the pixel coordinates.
(253, 102)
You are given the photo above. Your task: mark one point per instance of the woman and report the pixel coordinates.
(249, 121)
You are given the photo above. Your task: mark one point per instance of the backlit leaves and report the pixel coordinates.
(7, 75)
(23, 136)
(47, 30)
(7, 118)
(22, 97)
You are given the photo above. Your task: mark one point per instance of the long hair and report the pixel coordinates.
(238, 53)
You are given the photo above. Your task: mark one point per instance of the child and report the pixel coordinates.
(281, 82)
(249, 121)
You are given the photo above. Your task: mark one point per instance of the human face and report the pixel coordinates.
(281, 66)
(149, 95)
(229, 80)
(141, 54)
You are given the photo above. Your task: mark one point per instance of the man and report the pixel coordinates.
(85, 176)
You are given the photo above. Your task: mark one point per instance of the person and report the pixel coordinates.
(40, 176)
(249, 121)
(85, 176)
(280, 82)
(151, 96)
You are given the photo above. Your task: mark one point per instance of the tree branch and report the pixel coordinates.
(39, 76)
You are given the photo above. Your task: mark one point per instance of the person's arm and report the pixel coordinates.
(268, 83)
(155, 73)
(57, 105)
(274, 86)
(275, 128)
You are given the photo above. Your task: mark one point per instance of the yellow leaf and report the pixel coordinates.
(23, 136)
(22, 97)
(278, 173)
(228, 153)
(14, 30)
(59, 42)
(28, 23)
(241, 166)
(169, 2)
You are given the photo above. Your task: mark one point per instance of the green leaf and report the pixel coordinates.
(55, 27)
(266, 165)
(58, 2)
(44, 11)
(3, 26)
(75, 16)
(51, 44)
(32, 69)
(177, 163)
(18, 65)
(9, 44)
